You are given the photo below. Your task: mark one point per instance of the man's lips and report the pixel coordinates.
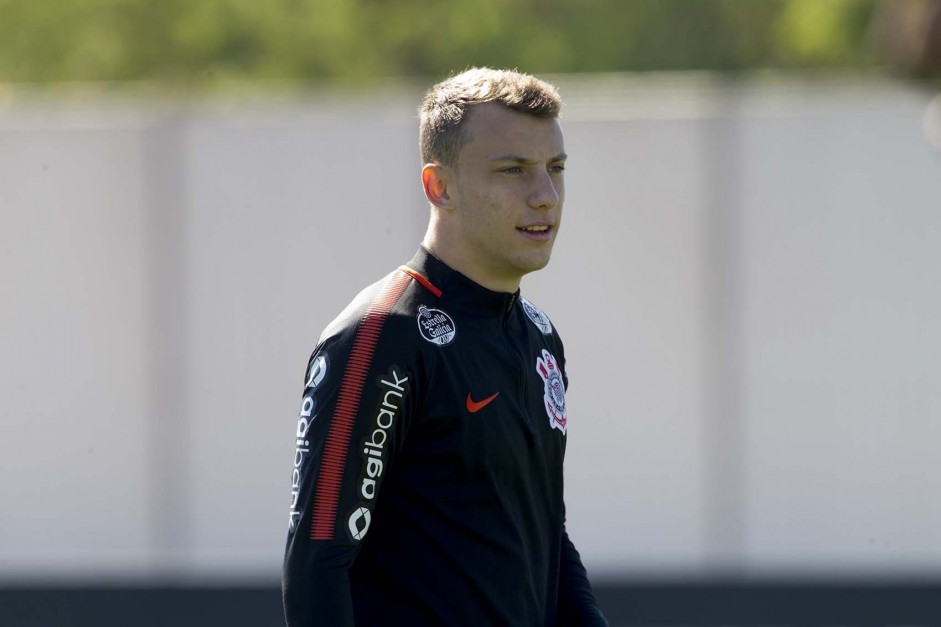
(539, 232)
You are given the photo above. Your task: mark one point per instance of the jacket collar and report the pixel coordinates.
(460, 291)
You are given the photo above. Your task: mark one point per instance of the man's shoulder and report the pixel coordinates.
(348, 319)
(389, 305)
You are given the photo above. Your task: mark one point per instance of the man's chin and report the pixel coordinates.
(534, 263)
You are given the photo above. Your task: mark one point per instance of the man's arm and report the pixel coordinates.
(577, 604)
(313, 594)
(315, 584)
(357, 403)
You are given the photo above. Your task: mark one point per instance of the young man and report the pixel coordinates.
(427, 486)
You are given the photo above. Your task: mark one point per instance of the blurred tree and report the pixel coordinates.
(909, 33)
(813, 33)
(203, 42)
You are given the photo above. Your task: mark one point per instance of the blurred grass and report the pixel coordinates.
(204, 44)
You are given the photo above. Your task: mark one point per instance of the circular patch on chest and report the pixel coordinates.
(436, 326)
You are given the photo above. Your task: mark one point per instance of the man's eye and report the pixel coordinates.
(556, 169)
(512, 170)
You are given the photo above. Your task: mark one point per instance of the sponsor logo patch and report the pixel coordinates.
(358, 523)
(435, 326)
(535, 314)
(393, 388)
(318, 370)
(548, 369)
(315, 376)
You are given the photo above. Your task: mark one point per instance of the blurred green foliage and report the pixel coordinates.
(203, 42)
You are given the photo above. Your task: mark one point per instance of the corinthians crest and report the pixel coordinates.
(548, 369)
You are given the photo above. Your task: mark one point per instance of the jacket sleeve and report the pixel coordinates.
(577, 604)
(356, 407)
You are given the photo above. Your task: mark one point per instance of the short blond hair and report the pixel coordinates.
(443, 108)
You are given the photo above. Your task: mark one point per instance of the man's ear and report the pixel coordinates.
(434, 178)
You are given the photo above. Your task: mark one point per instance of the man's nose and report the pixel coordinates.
(545, 194)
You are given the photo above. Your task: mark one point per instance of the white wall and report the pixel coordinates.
(74, 344)
(745, 281)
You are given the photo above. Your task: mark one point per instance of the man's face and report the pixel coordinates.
(507, 191)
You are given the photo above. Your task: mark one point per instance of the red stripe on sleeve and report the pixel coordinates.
(330, 477)
(428, 285)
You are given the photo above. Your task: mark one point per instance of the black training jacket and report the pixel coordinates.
(427, 483)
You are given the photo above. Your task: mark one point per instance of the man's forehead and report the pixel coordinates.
(495, 127)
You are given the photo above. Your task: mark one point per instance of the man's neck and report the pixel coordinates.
(451, 255)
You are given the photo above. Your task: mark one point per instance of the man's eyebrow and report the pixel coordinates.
(526, 161)
(514, 159)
